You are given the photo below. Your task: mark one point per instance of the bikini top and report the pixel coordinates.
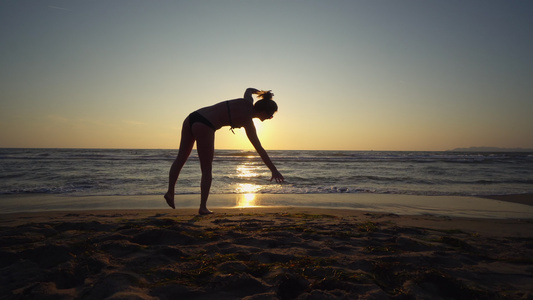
(229, 115)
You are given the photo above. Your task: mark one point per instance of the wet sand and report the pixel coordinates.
(263, 253)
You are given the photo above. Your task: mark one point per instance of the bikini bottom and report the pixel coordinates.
(197, 117)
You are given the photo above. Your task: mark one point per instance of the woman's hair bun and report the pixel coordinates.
(265, 95)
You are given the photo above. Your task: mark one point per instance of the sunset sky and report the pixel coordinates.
(347, 75)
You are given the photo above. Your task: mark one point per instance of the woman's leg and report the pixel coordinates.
(205, 144)
(186, 144)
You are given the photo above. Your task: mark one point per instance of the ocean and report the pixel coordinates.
(121, 172)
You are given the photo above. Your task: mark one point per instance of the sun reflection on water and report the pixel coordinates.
(246, 195)
(246, 191)
(246, 200)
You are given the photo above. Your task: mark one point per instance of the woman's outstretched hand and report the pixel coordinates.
(277, 177)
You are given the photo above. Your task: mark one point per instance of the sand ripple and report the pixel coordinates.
(261, 255)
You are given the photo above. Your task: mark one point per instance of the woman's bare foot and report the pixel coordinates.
(170, 200)
(204, 211)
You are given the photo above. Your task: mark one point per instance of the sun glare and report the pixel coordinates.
(246, 170)
(246, 195)
(246, 200)
(246, 191)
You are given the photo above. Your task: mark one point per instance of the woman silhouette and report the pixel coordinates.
(200, 126)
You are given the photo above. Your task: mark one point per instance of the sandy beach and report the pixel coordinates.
(263, 253)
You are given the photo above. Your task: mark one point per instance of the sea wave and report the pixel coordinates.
(144, 172)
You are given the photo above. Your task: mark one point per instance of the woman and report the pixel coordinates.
(200, 126)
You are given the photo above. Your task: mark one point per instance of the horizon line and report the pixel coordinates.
(458, 149)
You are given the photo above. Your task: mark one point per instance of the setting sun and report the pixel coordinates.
(225, 139)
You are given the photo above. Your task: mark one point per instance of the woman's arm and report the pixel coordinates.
(252, 136)
(248, 94)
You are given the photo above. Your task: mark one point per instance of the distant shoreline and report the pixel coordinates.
(490, 149)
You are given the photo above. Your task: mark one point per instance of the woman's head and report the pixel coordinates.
(266, 106)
